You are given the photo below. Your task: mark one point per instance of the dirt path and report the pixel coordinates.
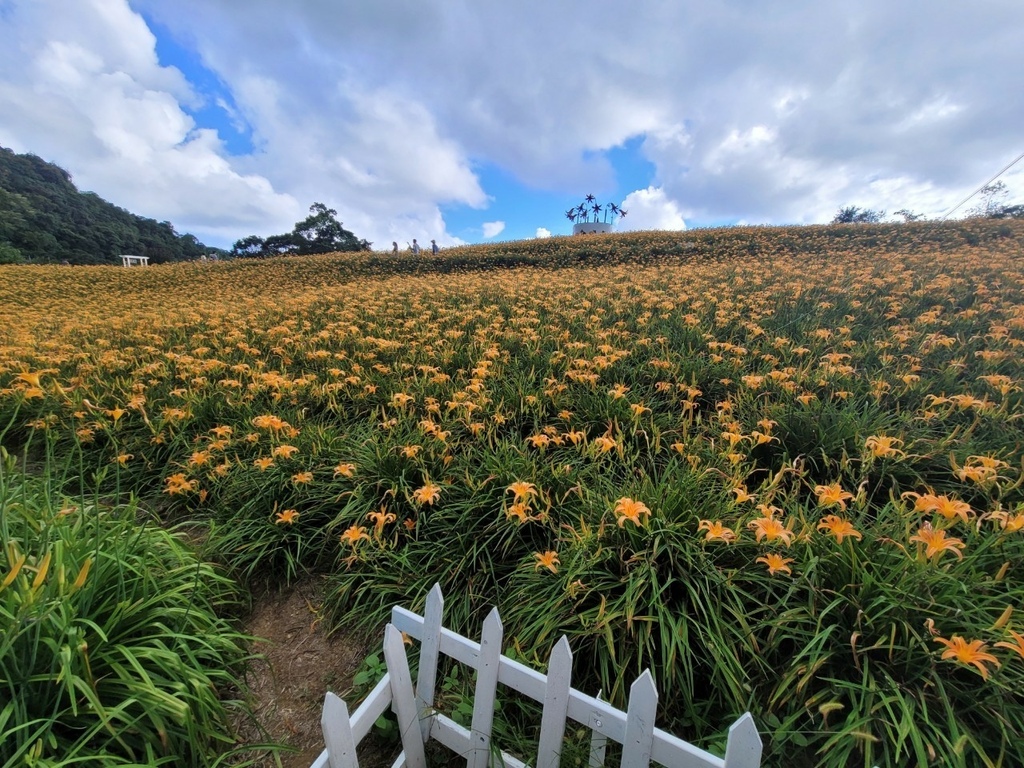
(301, 663)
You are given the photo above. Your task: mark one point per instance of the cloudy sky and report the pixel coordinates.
(474, 120)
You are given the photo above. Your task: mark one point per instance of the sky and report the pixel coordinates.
(471, 121)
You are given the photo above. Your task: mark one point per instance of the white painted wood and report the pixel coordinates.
(640, 714)
(598, 742)
(668, 750)
(743, 750)
(641, 741)
(457, 739)
(556, 705)
(430, 646)
(404, 700)
(486, 688)
(337, 729)
(373, 706)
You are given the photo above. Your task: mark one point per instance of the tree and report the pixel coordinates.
(248, 247)
(320, 232)
(854, 215)
(909, 215)
(993, 201)
(46, 219)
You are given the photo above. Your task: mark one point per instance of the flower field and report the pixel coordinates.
(780, 467)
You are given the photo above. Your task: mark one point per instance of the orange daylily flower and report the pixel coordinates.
(627, 509)
(832, 495)
(936, 543)
(288, 516)
(522, 490)
(1017, 646)
(716, 531)
(547, 560)
(354, 534)
(428, 494)
(770, 529)
(965, 652)
(776, 563)
(839, 527)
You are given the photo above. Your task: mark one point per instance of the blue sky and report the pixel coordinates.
(474, 122)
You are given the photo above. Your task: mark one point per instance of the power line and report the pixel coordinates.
(1008, 167)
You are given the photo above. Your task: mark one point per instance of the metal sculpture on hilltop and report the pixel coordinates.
(587, 216)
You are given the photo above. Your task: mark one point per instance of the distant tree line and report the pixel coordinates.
(320, 232)
(993, 205)
(45, 219)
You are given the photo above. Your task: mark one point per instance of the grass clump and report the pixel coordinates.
(113, 649)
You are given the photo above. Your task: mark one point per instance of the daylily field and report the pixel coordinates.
(781, 468)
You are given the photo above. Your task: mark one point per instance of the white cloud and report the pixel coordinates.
(85, 88)
(650, 209)
(387, 111)
(542, 233)
(493, 228)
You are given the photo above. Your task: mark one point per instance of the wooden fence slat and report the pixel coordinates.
(430, 646)
(556, 705)
(743, 749)
(634, 729)
(640, 714)
(334, 722)
(404, 703)
(486, 688)
(598, 741)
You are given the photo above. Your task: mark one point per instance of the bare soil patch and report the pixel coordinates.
(300, 663)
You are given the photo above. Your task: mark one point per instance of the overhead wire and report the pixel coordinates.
(1004, 170)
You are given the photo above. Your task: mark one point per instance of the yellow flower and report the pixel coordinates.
(942, 505)
(742, 495)
(522, 490)
(883, 447)
(770, 529)
(716, 531)
(776, 563)
(288, 516)
(199, 458)
(177, 483)
(520, 511)
(428, 494)
(619, 390)
(263, 464)
(936, 543)
(124, 458)
(838, 527)
(1017, 646)
(604, 444)
(354, 534)
(965, 652)
(285, 451)
(548, 560)
(410, 451)
(380, 519)
(345, 470)
(627, 509)
(832, 495)
(301, 478)
(539, 441)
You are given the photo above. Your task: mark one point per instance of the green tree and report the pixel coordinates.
(320, 232)
(854, 215)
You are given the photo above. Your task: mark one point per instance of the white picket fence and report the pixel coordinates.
(419, 722)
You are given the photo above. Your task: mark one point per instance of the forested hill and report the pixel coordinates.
(45, 219)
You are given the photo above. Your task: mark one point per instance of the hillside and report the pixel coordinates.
(781, 468)
(45, 219)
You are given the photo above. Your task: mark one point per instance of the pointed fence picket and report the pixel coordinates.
(642, 743)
